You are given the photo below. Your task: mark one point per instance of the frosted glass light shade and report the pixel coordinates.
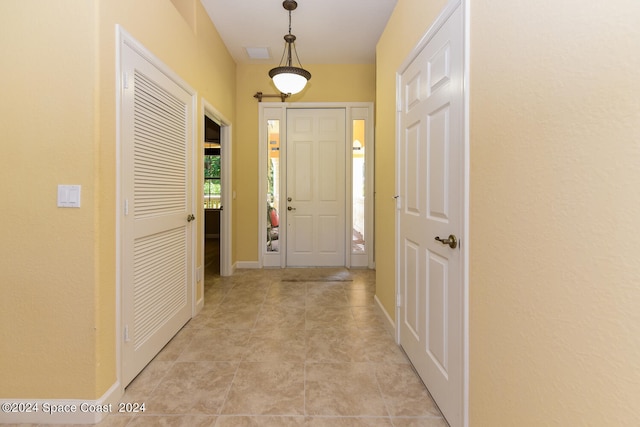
(289, 79)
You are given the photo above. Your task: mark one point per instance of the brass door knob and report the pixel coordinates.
(452, 241)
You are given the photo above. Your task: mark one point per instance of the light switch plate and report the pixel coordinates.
(69, 196)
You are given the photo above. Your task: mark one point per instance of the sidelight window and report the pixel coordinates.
(358, 181)
(273, 185)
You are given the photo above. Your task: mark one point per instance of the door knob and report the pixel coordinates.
(289, 208)
(191, 217)
(452, 241)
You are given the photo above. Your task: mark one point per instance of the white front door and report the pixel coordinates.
(431, 189)
(156, 198)
(316, 151)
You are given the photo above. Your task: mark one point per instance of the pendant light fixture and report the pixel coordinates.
(288, 78)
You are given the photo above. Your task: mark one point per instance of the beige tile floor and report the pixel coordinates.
(303, 347)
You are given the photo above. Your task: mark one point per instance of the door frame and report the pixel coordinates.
(446, 12)
(123, 38)
(354, 111)
(226, 185)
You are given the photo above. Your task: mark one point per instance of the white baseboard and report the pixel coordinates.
(391, 324)
(246, 264)
(61, 411)
(199, 305)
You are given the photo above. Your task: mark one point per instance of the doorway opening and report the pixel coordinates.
(212, 197)
(215, 187)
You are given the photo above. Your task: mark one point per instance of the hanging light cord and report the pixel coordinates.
(287, 50)
(294, 46)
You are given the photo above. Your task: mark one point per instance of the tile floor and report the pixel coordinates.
(293, 347)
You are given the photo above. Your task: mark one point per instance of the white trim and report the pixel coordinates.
(125, 38)
(246, 264)
(120, 34)
(466, 5)
(227, 185)
(447, 11)
(194, 198)
(348, 193)
(390, 325)
(76, 411)
(199, 305)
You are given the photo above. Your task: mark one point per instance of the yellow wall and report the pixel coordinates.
(329, 83)
(47, 255)
(554, 246)
(57, 325)
(409, 21)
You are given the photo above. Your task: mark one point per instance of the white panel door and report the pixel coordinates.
(157, 167)
(316, 185)
(431, 190)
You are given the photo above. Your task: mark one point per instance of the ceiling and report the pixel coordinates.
(327, 31)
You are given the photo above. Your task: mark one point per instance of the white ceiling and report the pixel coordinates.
(327, 31)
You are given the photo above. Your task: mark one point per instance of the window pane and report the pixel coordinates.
(273, 185)
(212, 181)
(358, 191)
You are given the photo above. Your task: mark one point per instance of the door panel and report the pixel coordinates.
(329, 185)
(430, 184)
(316, 216)
(303, 238)
(302, 173)
(157, 165)
(411, 292)
(412, 165)
(439, 163)
(437, 304)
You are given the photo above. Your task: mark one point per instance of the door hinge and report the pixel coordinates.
(398, 202)
(126, 207)
(126, 334)
(125, 81)
(398, 300)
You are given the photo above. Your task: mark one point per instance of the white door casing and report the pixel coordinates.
(316, 218)
(156, 198)
(431, 180)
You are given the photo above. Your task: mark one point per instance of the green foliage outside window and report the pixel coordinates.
(211, 177)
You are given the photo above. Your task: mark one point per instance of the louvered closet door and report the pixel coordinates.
(156, 187)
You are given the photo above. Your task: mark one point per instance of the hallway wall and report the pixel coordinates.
(554, 246)
(58, 266)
